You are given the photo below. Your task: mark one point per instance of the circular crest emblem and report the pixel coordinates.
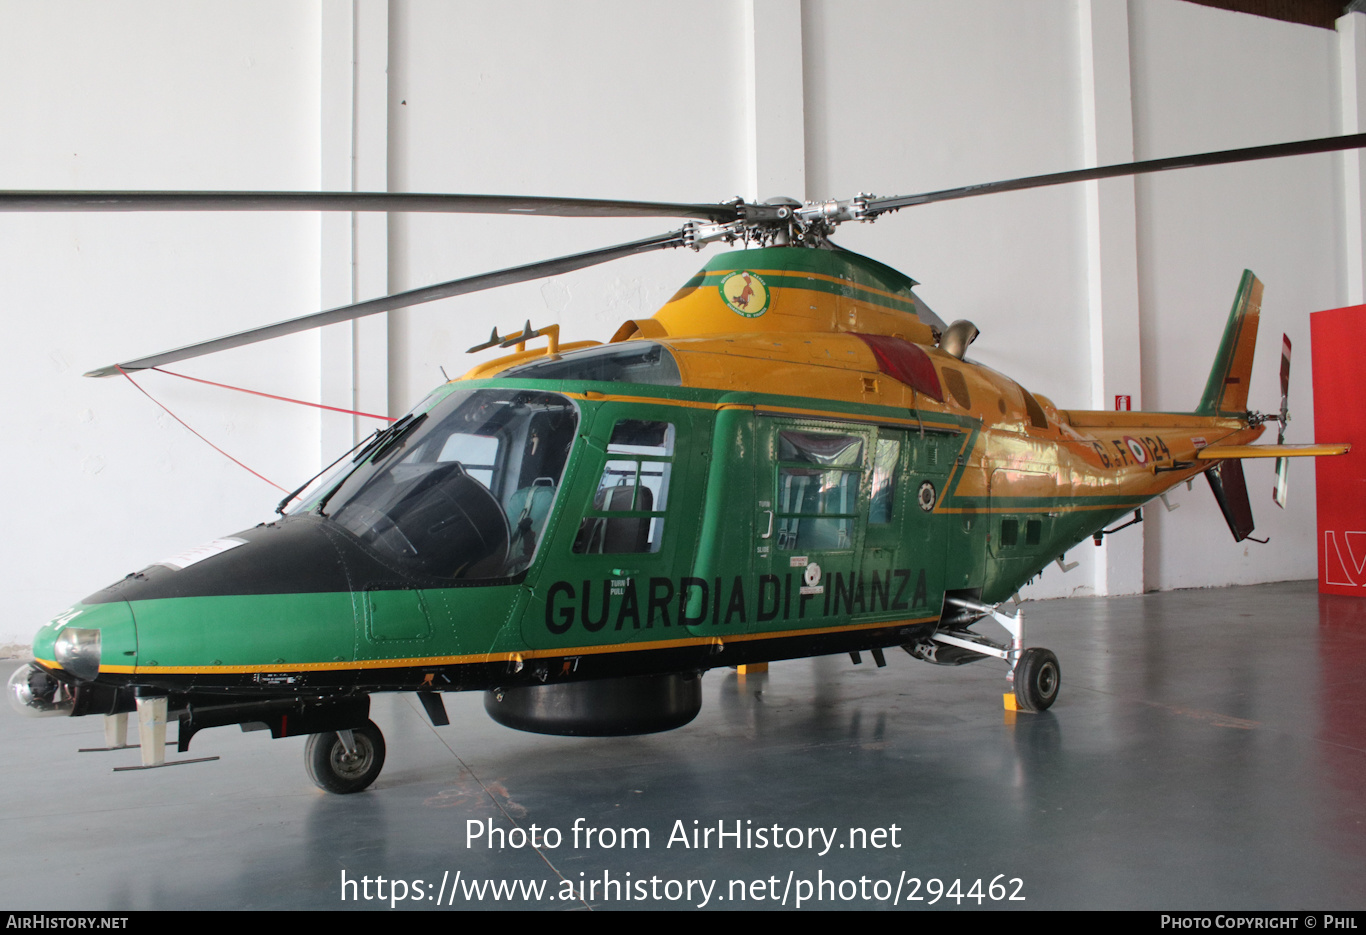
(1136, 449)
(745, 293)
(926, 496)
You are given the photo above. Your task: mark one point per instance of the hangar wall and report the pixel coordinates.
(142, 95)
(1081, 292)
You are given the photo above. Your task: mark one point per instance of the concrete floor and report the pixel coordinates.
(1207, 751)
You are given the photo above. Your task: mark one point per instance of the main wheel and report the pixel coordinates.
(1037, 679)
(334, 770)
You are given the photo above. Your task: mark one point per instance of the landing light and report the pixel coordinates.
(78, 651)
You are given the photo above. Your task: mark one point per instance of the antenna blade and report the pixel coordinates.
(1282, 482)
(443, 290)
(1329, 144)
(363, 201)
(493, 341)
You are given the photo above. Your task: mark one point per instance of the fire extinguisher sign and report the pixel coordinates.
(1123, 403)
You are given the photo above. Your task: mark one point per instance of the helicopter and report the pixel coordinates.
(793, 457)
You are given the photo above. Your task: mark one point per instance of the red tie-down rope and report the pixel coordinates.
(225, 386)
(287, 399)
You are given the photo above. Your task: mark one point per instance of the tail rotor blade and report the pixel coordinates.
(1283, 464)
(1285, 386)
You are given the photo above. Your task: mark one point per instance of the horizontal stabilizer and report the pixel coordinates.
(1270, 451)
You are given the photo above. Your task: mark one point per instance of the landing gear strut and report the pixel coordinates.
(1034, 675)
(345, 761)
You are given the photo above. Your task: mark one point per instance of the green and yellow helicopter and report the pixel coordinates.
(793, 457)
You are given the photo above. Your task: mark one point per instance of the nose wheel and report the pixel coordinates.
(345, 761)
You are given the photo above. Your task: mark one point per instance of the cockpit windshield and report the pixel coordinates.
(463, 492)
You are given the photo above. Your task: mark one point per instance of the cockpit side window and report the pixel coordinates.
(478, 453)
(627, 512)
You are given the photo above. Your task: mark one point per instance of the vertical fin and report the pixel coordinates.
(1230, 489)
(1226, 391)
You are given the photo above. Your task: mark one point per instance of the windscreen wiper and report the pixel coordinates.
(390, 437)
(280, 507)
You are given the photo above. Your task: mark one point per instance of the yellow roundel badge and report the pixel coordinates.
(745, 293)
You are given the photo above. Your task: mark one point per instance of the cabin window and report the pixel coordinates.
(1010, 533)
(818, 490)
(886, 457)
(627, 513)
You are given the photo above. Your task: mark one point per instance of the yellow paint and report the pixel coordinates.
(494, 367)
(791, 309)
(1223, 452)
(806, 343)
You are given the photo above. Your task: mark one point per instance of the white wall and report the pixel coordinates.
(98, 482)
(931, 96)
(1208, 80)
(607, 99)
(1080, 292)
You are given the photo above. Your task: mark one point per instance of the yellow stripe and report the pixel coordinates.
(422, 661)
(823, 277)
(1056, 508)
(1270, 451)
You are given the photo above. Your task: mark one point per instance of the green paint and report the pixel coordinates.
(716, 574)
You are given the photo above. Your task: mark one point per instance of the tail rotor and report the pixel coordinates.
(1283, 464)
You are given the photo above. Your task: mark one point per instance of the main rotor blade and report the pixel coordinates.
(362, 201)
(1329, 144)
(387, 303)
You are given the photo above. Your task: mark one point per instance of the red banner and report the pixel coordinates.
(1338, 337)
